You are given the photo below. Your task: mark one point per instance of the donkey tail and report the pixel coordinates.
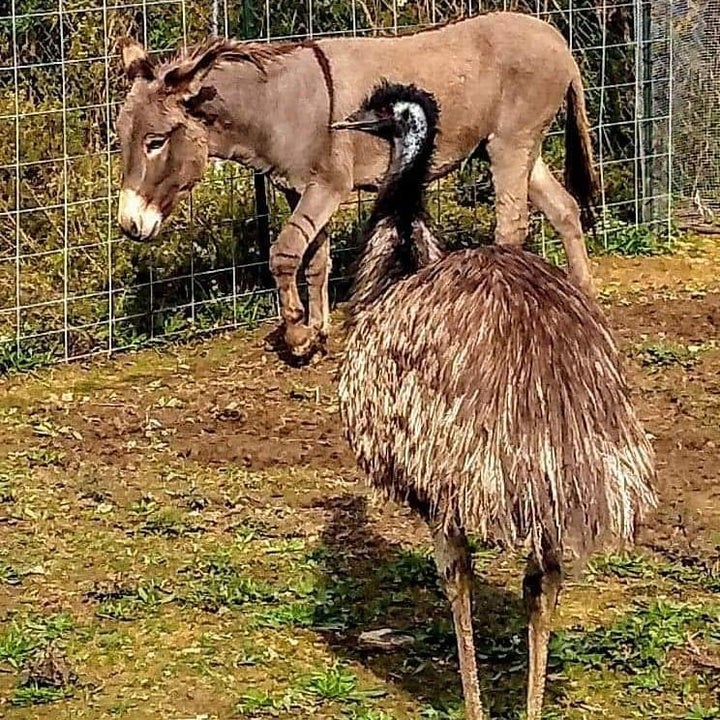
(580, 177)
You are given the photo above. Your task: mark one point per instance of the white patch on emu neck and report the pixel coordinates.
(414, 139)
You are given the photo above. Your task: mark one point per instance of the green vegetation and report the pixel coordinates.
(662, 354)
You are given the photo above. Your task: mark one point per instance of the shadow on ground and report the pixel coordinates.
(366, 582)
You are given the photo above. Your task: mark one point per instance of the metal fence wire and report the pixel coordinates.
(72, 286)
(696, 106)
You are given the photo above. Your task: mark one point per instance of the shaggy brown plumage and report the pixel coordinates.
(487, 388)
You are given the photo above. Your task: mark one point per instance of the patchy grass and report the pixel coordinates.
(663, 354)
(182, 535)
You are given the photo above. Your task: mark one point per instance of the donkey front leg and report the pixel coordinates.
(312, 213)
(317, 273)
(318, 278)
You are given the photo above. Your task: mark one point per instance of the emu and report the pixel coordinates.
(502, 78)
(485, 390)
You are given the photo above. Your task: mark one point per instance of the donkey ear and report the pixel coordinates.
(186, 76)
(135, 60)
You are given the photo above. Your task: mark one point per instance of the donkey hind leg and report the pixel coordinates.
(311, 214)
(318, 277)
(541, 588)
(454, 563)
(510, 162)
(549, 196)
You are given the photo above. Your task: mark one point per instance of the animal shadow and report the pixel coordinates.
(368, 583)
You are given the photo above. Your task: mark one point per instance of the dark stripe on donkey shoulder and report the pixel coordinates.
(324, 64)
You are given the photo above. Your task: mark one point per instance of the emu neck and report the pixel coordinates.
(401, 198)
(397, 243)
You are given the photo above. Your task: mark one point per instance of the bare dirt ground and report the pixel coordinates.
(183, 535)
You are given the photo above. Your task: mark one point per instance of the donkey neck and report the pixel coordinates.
(277, 121)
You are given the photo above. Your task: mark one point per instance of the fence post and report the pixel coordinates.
(648, 206)
(644, 110)
(262, 219)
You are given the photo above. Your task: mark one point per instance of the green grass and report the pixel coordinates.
(335, 683)
(217, 583)
(20, 638)
(131, 602)
(631, 654)
(662, 354)
(32, 693)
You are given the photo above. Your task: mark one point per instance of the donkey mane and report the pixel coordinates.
(215, 50)
(220, 49)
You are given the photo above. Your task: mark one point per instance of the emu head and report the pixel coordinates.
(404, 115)
(164, 146)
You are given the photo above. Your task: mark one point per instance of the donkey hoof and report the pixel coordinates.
(274, 340)
(321, 342)
(324, 331)
(300, 339)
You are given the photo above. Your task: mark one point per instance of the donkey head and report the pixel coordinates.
(163, 140)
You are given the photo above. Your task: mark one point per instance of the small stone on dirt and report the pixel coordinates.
(384, 639)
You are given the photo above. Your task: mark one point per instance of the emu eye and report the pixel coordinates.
(153, 144)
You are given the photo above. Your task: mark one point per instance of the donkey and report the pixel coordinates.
(500, 79)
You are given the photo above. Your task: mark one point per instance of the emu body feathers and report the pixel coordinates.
(487, 390)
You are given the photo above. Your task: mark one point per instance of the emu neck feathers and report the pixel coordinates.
(387, 258)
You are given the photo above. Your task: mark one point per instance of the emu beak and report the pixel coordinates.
(366, 120)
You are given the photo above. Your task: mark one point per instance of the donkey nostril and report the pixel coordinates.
(130, 229)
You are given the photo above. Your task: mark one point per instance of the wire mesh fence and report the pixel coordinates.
(696, 106)
(71, 286)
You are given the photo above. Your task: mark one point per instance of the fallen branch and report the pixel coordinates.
(702, 229)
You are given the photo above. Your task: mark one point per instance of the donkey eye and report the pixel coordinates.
(154, 144)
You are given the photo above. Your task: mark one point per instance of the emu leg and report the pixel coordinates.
(549, 196)
(510, 163)
(454, 563)
(311, 214)
(540, 592)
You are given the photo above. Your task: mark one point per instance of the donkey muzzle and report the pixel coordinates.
(138, 219)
